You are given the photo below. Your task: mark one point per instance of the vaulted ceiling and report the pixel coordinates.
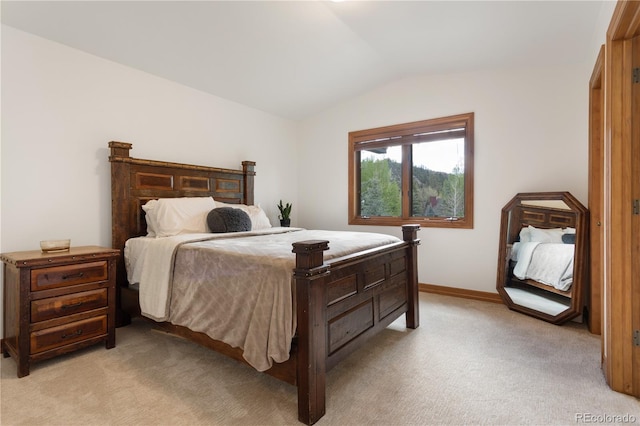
(296, 58)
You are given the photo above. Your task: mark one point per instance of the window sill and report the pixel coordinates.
(422, 221)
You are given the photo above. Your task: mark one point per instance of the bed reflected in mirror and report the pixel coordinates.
(541, 258)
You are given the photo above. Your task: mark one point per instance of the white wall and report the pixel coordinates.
(61, 107)
(530, 135)
(600, 31)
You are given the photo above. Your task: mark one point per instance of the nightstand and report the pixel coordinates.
(55, 303)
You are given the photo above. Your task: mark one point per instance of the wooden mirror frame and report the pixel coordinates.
(520, 212)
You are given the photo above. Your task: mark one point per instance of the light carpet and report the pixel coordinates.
(469, 362)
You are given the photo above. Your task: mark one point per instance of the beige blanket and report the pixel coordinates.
(239, 290)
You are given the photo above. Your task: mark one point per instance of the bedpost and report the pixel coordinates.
(410, 235)
(249, 173)
(311, 302)
(120, 214)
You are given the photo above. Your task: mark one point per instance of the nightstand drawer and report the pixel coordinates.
(60, 276)
(60, 306)
(54, 337)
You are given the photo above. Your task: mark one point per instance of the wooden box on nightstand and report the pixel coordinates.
(56, 303)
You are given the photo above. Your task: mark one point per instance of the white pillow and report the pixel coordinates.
(553, 235)
(172, 216)
(259, 219)
(149, 217)
(525, 235)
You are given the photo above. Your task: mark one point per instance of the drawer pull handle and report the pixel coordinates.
(77, 333)
(78, 275)
(71, 305)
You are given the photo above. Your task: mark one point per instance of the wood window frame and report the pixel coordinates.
(406, 130)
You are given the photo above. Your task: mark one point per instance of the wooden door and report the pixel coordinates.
(621, 290)
(635, 216)
(596, 195)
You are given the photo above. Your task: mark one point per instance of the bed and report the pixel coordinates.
(340, 298)
(545, 256)
(542, 249)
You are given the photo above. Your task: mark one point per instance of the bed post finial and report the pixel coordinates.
(119, 149)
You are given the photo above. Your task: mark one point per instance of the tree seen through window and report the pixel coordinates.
(416, 171)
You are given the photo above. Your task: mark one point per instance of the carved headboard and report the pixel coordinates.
(135, 181)
(539, 217)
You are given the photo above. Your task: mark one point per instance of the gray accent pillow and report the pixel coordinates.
(228, 219)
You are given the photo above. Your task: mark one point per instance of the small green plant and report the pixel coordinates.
(285, 210)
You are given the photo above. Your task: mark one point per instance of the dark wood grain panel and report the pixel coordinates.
(66, 275)
(153, 181)
(561, 221)
(392, 298)
(339, 289)
(398, 266)
(195, 183)
(374, 275)
(68, 304)
(68, 333)
(350, 325)
(224, 185)
(531, 216)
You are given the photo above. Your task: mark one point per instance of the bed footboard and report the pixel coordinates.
(343, 303)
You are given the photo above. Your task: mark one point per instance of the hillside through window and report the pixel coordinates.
(420, 172)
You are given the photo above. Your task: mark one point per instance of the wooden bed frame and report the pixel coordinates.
(340, 304)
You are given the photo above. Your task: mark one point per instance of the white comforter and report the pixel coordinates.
(236, 288)
(548, 263)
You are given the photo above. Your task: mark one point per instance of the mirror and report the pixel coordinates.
(542, 255)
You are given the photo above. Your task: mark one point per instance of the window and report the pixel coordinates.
(419, 172)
